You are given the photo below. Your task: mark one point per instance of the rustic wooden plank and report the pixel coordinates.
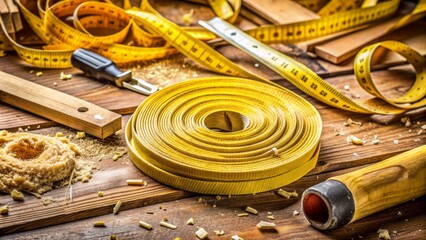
(125, 224)
(280, 11)
(413, 35)
(57, 106)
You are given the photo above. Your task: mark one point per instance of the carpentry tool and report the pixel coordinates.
(224, 135)
(100, 68)
(344, 199)
(57, 106)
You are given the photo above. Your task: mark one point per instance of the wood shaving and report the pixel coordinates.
(117, 207)
(190, 221)
(262, 225)
(100, 194)
(145, 225)
(4, 210)
(80, 135)
(167, 225)
(354, 140)
(406, 121)
(219, 232)
(251, 210)
(287, 194)
(118, 155)
(271, 217)
(64, 76)
(296, 212)
(423, 127)
(350, 122)
(17, 195)
(236, 237)
(396, 141)
(383, 234)
(99, 224)
(188, 17)
(135, 182)
(39, 74)
(201, 233)
(242, 214)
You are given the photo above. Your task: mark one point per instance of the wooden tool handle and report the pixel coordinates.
(387, 183)
(352, 196)
(57, 106)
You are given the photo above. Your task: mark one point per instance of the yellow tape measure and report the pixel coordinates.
(270, 136)
(308, 81)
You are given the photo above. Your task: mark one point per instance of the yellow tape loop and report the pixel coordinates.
(224, 136)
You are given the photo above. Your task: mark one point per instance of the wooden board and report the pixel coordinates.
(280, 11)
(345, 47)
(336, 155)
(57, 106)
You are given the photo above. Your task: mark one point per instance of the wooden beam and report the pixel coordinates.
(57, 106)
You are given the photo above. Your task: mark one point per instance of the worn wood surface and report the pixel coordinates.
(73, 219)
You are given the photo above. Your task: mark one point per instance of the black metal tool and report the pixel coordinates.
(100, 67)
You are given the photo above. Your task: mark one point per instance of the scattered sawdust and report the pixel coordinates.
(350, 122)
(287, 194)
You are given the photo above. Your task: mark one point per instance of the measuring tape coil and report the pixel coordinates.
(272, 136)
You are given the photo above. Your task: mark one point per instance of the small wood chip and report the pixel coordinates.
(219, 232)
(135, 182)
(80, 135)
(38, 74)
(201, 233)
(113, 237)
(17, 195)
(100, 194)
(236, 237)
(2, 53)
(262, 225)
(383, 234)
(167, 225)
(242, 214)
(4, 210)
(296, 212)
(99, 224)
(287, 194)
(145, 225)
(59, 134)
(64, 76)
(354, 140)
(351, 122)
(190, 221)
(375, 141)
(271, 217)
(251, 210)
(117, 207)
(118, 155)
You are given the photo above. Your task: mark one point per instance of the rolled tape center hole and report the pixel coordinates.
(226, 121)
(315, 209)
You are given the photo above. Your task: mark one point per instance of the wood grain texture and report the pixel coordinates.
(336, 157)
(57, 106)
(75, 220)
(280, 11)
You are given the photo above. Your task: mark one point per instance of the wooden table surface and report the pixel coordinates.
(74, 219)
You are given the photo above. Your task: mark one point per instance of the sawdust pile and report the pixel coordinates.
(36, 163)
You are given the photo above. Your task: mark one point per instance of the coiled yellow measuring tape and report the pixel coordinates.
(269, 142)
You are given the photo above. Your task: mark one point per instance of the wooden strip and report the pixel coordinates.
(280, 11)
(345, 47)
(14, 11)
(57, 106)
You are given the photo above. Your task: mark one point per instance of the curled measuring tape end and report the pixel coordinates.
(215, 135)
